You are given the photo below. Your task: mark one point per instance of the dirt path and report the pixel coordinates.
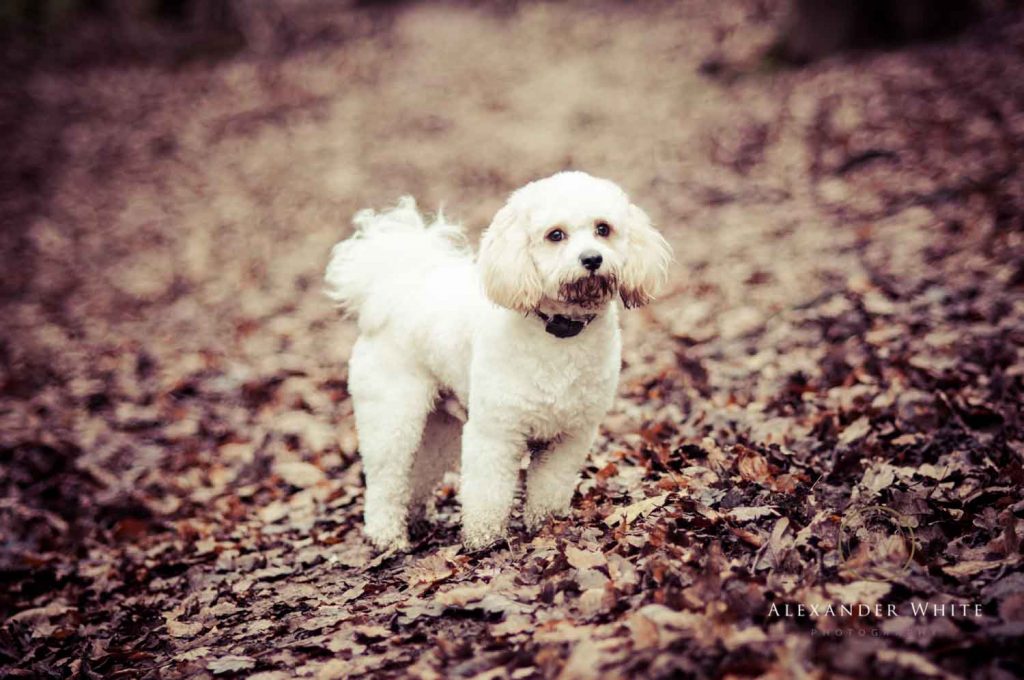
(181, 491)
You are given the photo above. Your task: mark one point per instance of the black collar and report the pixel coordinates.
(562, 326)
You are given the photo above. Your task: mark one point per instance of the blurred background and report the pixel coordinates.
(175, 172)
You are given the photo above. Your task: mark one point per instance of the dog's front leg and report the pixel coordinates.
(552, 476)
(490, 472)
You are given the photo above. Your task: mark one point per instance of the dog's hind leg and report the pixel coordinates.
(438, 454)
(391, 398)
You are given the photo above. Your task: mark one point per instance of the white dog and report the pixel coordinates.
(525, 339)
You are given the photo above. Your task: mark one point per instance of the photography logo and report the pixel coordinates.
(876, 541)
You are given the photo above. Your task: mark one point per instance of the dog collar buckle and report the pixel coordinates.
(562, 326)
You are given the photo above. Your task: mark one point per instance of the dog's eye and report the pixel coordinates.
(555, 235)
(603, 229)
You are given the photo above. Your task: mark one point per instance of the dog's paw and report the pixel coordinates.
(388, 541)
(478, 538)
(535, 518)
(536, 515)
(477, 546)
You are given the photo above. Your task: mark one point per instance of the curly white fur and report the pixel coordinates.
(436, 326)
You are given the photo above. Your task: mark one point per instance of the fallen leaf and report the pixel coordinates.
(750, 513)
(855, 430)
(584, 559)
(628, 514)
(299, 473)
(230, 664)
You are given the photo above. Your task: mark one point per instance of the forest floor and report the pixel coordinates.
(181, 490)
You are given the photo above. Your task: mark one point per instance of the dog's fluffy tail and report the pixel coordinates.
(373, 271)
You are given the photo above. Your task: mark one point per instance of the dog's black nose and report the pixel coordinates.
(591, 260)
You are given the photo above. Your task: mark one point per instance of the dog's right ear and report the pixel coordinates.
(507, 270)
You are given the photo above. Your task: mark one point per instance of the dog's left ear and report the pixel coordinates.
(647, 258)
(509, 275)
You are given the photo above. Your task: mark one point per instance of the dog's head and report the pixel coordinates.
(575, 240)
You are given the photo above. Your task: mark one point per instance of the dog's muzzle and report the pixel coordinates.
(588, 291)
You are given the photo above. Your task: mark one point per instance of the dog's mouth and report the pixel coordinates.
(588, 291)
